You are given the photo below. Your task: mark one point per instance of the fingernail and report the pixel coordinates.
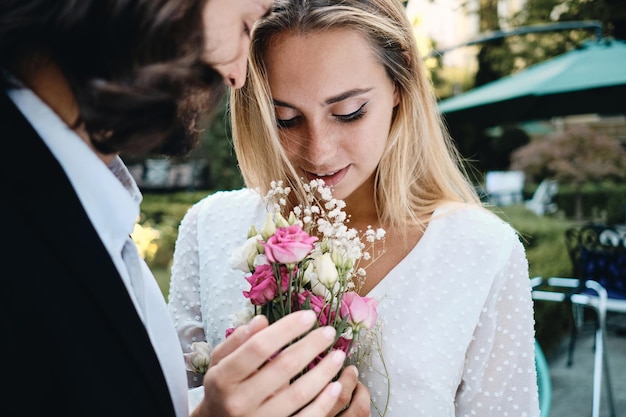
(335, 389)
(330, 333)
(338, 356)
(308, 317)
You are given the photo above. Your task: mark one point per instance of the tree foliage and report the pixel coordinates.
(501, 57)
(222, 171)
(575, 156)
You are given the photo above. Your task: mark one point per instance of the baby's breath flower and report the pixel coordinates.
(329, 269)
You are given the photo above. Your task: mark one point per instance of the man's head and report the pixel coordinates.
(142, 72)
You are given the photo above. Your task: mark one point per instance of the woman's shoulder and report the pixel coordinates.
(240, 196)
(238, 204)
(476, 223)
(475, 232)
(238, 200)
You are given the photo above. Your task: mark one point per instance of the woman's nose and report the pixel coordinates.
(318, 146)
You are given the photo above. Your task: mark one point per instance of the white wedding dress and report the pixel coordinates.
(455, 315)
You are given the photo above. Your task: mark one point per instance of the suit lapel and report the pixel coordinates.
(65, 227)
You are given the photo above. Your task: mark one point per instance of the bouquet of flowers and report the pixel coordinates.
(309, 259)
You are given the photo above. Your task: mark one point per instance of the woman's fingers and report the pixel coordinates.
(289, 363)
(323, 403)
(359, 404)
(261, 346)
(251, 371)
(304, 390)
(349, 379)
(237, 338)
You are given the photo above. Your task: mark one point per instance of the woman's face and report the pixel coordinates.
(227, 25)
(334, 104)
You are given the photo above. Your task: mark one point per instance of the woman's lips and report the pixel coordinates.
(331, 178)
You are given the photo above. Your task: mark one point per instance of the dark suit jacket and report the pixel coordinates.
(72, 343)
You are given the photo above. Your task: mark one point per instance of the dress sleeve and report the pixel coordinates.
(184, 295)
(500, 377)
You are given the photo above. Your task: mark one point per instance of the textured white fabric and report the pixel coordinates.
(111, 199)
(456, 314)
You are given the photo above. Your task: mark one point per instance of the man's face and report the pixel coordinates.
(227, 26)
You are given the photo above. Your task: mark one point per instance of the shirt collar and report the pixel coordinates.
(109, 194)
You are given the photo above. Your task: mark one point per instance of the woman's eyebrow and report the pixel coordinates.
(345, 95)
(282, 104)
(330, 100)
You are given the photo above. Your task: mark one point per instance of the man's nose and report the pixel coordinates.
(236, 75)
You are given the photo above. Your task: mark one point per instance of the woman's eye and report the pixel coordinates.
(351, 117)
(286, 123)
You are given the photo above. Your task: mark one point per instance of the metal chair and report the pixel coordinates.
(598, 253)
(589, 294)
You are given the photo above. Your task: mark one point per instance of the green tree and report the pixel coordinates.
(216, 147)
(494, 56)
(533, 48)
(575, 156)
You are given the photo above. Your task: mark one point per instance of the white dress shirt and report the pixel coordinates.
(113, 208)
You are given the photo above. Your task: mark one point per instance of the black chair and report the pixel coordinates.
(598, 252)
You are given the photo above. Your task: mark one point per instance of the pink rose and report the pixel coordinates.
(362, 311)
(263, 285)
(289, 245)
(319, 305)
(284, 277)
(343, 344)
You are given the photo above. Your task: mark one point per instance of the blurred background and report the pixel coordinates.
(534, 94)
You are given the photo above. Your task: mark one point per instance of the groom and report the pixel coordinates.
(85, 331)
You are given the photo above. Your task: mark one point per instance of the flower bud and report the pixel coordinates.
(269, 227)
(326, 270)
(252, 232)
(281, 221)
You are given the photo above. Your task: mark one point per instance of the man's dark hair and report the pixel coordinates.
(134, 66)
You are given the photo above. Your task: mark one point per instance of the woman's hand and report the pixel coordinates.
(354, 399)
(248, 378)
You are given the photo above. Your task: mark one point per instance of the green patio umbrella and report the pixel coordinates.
(588, 79)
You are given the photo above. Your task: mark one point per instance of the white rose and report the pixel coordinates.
(243, 257)
(199, 358)
(242, 316)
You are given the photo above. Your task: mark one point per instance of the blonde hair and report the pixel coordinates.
(420, 167)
